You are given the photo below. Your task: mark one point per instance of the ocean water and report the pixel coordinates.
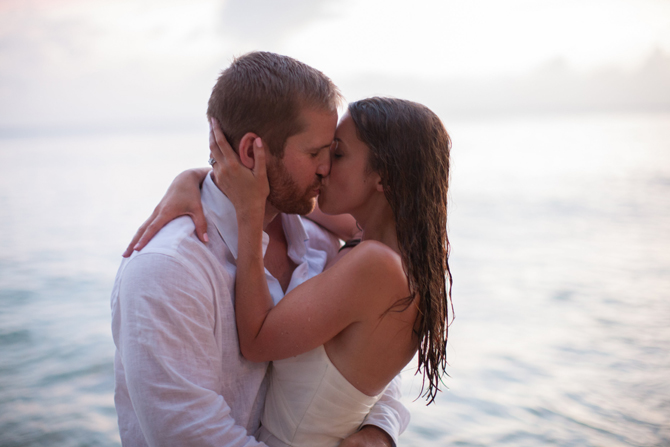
(560, 231)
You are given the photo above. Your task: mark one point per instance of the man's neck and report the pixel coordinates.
(276, 259)
(271, 213)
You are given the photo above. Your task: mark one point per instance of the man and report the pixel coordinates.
(180, 378)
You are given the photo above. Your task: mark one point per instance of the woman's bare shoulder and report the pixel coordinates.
(376, 266)
(376, 251)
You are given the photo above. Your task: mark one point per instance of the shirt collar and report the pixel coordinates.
(296, 236)
(224, 217)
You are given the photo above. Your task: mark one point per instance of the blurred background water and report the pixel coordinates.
(559, 226)
(559, 215)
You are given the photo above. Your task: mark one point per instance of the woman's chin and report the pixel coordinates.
(324, 206)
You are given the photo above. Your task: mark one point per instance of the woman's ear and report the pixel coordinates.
(246, 149)
(378, 183)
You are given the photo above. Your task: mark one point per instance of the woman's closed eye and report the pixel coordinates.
(335, 150)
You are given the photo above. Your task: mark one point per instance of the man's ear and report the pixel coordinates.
(246, 149)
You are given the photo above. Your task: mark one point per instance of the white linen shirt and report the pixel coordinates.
(180, 377)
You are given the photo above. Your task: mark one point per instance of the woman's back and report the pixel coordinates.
(372, 351)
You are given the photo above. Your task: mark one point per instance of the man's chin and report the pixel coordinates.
(301, 207)
(308, 207)
(312, 205)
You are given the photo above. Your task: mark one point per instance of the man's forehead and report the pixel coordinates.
(313, 116)
(319, 126)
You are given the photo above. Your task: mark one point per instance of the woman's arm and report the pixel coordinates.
(341, 225)
(357, 289)
(182, 198)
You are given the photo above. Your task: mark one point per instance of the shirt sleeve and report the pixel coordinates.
(321, 239)
(389, 413)
(166, 342)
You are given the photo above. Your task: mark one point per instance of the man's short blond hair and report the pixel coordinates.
(264, 93)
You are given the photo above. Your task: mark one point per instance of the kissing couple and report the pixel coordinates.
(244, 320)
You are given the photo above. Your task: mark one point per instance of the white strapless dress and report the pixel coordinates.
(310, 404)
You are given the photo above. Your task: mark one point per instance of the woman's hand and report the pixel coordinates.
(182, 198)
(245, 184)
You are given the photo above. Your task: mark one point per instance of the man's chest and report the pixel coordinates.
(276, 259)
(279, 264)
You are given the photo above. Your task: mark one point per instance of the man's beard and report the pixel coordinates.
(285, 195)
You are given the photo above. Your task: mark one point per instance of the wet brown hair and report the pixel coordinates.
(409, 149)
(265, 93)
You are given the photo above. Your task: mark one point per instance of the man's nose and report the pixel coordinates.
(323, 169)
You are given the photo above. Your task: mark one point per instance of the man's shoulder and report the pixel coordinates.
(175, 264)
(174, 247)
(171, 238)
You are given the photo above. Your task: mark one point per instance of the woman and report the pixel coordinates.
(339, 338)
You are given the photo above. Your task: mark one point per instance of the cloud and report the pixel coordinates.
(104, 65)
(552, 88)
(84, 64)
(263, 23)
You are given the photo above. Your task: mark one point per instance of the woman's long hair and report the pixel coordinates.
(409, 149)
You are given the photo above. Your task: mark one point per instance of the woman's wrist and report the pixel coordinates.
(250, 227)
(250, 241)
(196, 174)
(249, 215)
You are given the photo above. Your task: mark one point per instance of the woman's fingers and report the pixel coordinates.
(157, 221)
(150, 232)
(259, 170)
(133, 242)
(219, 146)
(138, 234)
(259, 158)
(200, 223)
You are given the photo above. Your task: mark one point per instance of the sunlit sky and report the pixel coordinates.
(91, 62)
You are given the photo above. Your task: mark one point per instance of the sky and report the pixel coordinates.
(142, 65)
